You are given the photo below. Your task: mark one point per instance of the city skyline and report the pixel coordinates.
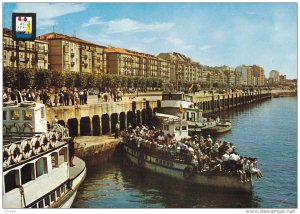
(213, 34)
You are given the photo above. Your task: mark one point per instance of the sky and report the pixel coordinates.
(213, 34)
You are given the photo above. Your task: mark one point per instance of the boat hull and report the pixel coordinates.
(221, 180)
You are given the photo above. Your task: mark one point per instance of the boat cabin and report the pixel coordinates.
(48, 170)
(179, 96)
(24, 117)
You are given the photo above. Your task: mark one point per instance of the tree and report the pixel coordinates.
(25, 78)
(70, 80)
(130, 81)
(58, 79)
(90, 83)
(42, 79)
(9, 77)
(115, 81)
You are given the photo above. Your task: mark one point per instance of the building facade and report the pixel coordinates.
(131, 63)
(274, 76)
(28, 54)
(182, 68)
(74, 55)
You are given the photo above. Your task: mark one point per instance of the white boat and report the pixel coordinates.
(174, 102)
(36, 166)
(167, 165)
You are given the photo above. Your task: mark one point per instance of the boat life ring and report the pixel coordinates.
(65, 133)
(26, 148)
(53, 138)
(15, 128)
(36, 145)
(187, 172)
(6, 157)
(15, 153)
(28, 103)
(28, 126)
(10, 103)
(140, 160)
(44, 140)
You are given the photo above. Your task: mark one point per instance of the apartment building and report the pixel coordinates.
(74, 55)
(31, 54)
(274, 76)
(127, 62)
(182, 67)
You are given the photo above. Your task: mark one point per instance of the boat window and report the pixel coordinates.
(188, 98)
(177, 128)
(47, 201)
(193, 116)
(183, 127)
(4, 115)
(54, 160)
(43, 112)
(27, 173)
(165, 96)
(166, 127)
(41, 204)
(58, 193)
(52, 196)
(187, 115)
(15, 115)
(41, 167)
(11, 180)
(27, 115)
(62, 156)
(62, 189)
(176, 97)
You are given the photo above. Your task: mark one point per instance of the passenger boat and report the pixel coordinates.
(220, 128)
(36, 166)
(172, 102)
(167, 165)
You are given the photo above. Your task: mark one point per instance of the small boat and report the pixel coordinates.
(36, 166)
(182, 105)
(220, 128)
(161, 161)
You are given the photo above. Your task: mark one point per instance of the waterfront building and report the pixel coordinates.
(258, 75)
(246, 74)
(182, 68)
(274, 76)
(32, 54)
(282, 79)
(127, 62)
(71, 54)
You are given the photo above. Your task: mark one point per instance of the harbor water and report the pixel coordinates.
(266, 130)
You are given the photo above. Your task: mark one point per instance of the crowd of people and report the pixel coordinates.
(205, 155)
(60, 97)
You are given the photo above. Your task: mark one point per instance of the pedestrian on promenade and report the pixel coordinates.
(85, 96)
(56, 98)
(66, 98)
(61, 98)
(54, 122)
(81, 97)
(72, 97)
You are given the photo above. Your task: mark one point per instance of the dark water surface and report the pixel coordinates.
(267, 130)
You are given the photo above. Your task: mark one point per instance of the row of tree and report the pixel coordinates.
(28, 78)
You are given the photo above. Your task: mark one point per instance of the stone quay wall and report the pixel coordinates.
(100, 119)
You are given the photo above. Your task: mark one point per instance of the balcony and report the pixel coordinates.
(72, 64)
(13, 58)
(72, 55)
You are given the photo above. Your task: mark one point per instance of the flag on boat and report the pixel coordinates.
(180, 108)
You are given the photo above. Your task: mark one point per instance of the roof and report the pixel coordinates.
(111, 49)
(53, 36)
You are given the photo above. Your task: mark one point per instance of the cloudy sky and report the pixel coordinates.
(213, 34)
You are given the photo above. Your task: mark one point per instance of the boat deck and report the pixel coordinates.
(77, 169)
